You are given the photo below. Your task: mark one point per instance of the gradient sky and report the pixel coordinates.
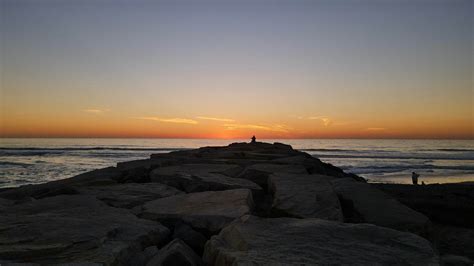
(230, 69)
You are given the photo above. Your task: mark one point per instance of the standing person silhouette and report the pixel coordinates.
(254, 139)
(414, 178)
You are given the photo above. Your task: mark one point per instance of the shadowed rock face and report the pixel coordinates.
(367, 204)
(256, 241)
(193, 239)
(74, 229)
(176, 253)
(451, 204)
(125, 215)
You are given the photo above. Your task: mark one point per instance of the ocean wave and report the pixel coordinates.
(89, 149)
(399, 168)
(398, 156)
(6, 163)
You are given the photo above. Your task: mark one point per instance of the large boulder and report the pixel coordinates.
(362, 202)
(131, 194)
(74, 229)
(175, 253)
(450, 204)
(201, 177)
(252, 240)
(304, 196)
(208, 211)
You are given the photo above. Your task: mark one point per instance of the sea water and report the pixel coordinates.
(33, 161)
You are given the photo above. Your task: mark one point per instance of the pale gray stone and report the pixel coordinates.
(252, 240)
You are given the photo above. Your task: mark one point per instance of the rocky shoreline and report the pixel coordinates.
(241, 204)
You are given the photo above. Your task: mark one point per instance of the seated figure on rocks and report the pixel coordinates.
(254, 139)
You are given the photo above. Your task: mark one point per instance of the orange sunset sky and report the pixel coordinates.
(276, 69)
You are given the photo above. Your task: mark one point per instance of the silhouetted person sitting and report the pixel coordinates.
(254, 140)
(414, 178)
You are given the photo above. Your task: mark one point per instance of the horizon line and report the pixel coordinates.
(281, 138)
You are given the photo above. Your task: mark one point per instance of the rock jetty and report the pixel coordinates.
(243, 204)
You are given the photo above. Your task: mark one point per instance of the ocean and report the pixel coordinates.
(32, 161)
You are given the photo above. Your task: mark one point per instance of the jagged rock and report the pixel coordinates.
(304, 196)
(193, 239)
(144, 257)
(252, 240)
(362, 202)
(209, 211)
(454, 240)
(74, 229)
(450, 204)
(175, 253)
(259, 173)
(131, 194)
(201, 177)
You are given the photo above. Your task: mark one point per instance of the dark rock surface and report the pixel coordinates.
(209, 211)
(364, 203)
(130, 195)
(288, 241)
(451, 204)
(201, 177)
(304, 196)
(127, 215)
(175, 253)
(192, 238)
(450, 207)
(74, 229)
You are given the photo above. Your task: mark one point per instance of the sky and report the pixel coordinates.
(233, 69)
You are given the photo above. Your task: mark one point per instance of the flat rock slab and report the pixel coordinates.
(252, 240)
(259, 150)
(201, 177)
(209, 211)
(304, 196)
(74, 229)
(131, 194)
(364, 203)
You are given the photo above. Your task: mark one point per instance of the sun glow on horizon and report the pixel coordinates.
(289, 69)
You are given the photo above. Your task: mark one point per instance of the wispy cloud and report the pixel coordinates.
(169, 120)
(215, 119)
(326, 120)
(275, 128)
(376, 129)
(95, 111)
